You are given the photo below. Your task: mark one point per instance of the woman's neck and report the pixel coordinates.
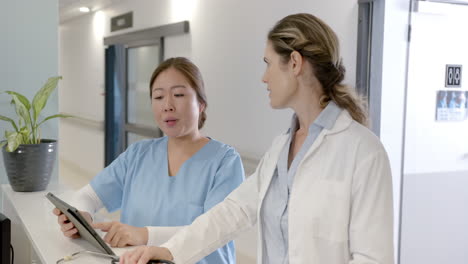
(307, 115)
(307, 108)
(187, 142)
(306, 103)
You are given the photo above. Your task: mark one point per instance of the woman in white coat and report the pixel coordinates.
(322, 194)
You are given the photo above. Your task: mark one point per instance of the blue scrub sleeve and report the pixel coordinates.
(109, 183)
(229, 176)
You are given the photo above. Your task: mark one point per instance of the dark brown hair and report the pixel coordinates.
(193, 76)
(319, 45)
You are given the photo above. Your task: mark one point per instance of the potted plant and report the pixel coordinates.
(29, 159)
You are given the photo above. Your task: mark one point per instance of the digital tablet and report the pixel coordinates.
(85, 230)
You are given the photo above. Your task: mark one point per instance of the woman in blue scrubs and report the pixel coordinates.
(163, 184)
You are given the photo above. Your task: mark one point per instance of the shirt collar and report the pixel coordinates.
(326, 119)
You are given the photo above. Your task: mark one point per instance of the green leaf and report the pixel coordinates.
(14, 140)
(22, 99)
(21, 109)
(41, 97)
(24, 132)
(54, 116)
(4, 118)
(3, 143)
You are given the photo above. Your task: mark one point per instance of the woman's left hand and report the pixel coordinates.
(121, 235)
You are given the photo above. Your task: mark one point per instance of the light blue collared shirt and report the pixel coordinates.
(274, 211)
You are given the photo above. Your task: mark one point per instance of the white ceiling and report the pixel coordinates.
(68, 9)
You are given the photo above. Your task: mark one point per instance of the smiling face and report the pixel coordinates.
(279, 78)
(175, 105)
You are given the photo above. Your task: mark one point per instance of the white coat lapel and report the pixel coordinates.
(343, 121)
(318, 141)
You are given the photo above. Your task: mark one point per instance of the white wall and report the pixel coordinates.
(82, 94)
(226, 41)
(228, 47)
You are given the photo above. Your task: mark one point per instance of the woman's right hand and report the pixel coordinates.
(66, 226)
(141, 255)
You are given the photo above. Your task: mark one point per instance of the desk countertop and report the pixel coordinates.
(40, 225)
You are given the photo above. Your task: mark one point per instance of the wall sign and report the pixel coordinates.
(122, 21)
(453, 74)
(451, 105)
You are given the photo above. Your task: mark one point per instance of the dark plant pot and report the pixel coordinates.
(30, 166)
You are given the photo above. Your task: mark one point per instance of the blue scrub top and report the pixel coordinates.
(138, 183)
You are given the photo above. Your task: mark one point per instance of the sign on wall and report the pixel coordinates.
(453, 74)
(122, 21)
(452, 104)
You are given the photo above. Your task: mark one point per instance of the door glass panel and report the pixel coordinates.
(141, 63)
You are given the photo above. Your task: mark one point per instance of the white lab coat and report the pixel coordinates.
(340, 207)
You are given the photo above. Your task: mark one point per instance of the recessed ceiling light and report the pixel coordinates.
(85, 9)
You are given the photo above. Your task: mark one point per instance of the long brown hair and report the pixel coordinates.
(319, 45)
(193, 76)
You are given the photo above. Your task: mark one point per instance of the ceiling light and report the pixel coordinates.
(85, 9)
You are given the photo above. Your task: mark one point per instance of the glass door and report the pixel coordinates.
(140, 123)
(128, 114)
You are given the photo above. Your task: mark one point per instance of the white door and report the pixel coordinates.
(434, 226)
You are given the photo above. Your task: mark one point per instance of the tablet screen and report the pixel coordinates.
(85, 230)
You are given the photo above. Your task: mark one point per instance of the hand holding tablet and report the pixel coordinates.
(68, 228)
(85, 230)
(83, 226)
